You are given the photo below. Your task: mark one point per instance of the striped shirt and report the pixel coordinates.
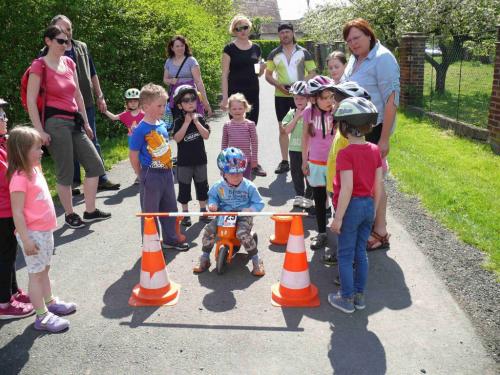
(242, 135)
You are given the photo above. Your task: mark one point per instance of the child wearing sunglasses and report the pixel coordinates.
(190, 131)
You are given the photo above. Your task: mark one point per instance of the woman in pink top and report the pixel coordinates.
(65, 129)
(317, 137)
(35, 219)
(241, 133)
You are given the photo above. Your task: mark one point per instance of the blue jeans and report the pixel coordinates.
(351, 248)
(77, 178)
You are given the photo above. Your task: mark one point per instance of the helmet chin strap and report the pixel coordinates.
(230, 184)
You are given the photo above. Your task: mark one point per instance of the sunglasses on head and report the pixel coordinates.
(188, 99)
(61, 41)
(241, 28)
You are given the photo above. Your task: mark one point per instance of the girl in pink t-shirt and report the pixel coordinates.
(357, 190)
(35, 219)
(132, 114)
(317, 136)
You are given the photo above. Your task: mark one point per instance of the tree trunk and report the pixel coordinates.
(441, 71)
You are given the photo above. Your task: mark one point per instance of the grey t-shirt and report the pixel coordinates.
(185, 73)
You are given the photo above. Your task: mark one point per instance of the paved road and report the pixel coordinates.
(224, 324)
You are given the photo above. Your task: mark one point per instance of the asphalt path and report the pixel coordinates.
(225, 324)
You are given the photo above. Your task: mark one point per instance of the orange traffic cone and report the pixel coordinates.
(180, 237)
(281, 229)
(295, 288)
(154, 289)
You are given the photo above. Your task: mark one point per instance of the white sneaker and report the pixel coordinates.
(306, 203)
(297, 201)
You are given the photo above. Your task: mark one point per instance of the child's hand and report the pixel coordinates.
(30, 247)
(188, 118)
(196, 118)
(213, 207)
(305, 168)
(298, 113)
(336, 225)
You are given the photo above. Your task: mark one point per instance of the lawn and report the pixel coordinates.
(113, 149)
(475, 92)
(456, 179)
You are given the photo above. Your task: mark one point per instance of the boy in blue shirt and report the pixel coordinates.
(151, 157)
(235, 194)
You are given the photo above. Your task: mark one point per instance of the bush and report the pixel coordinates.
(127, 40)
(268, 45)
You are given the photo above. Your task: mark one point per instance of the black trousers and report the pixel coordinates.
(8, 249)
(319, 194)
(298, 178)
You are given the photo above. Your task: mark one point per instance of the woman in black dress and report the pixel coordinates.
(239, 70)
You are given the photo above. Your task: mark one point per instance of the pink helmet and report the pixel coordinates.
(317, 84)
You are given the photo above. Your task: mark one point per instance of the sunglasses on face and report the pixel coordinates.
(188, 99)
(241, 28)
(61, 41)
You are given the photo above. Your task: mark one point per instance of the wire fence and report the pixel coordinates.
(458, 76)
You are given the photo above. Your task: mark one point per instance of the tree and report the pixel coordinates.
(257, 23)
(455, 21)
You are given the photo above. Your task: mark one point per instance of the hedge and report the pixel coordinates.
(126, 38)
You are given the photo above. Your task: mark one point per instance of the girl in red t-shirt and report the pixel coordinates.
(132, 115)
(357, 188)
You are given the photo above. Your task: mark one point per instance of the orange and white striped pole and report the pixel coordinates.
(295, 288)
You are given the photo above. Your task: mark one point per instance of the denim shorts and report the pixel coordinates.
(317, 174)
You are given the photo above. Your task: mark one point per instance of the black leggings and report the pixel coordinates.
(8, 282)
(319, 194)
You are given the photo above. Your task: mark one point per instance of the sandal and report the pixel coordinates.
(378, 242)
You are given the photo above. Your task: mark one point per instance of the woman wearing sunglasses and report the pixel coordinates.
(65, 128)
(242, 65)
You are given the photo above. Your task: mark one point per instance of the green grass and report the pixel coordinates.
(457, 181)
(475, 92)
(113, 149)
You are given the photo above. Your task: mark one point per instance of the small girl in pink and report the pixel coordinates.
(240, 132)
(35, 219)
(132, 114)
(317, 137)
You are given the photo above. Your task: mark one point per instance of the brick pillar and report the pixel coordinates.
(411, 64)
(494, 115)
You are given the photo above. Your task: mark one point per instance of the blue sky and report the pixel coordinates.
(293, 9)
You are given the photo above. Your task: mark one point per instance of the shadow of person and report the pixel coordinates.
(354, 349)
(278, 191)
(16, 353)
(116, 298)
(237, 276)
(118, 197)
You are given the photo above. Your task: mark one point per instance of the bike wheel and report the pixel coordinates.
(222, 259)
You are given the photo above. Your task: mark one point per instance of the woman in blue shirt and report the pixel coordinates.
(375, 68)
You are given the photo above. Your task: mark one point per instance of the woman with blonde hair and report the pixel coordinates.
(239, 70)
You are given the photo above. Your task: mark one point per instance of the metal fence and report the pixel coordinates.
(458, 76)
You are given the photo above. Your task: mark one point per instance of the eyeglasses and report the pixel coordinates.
(62, 41)
(241, 28)
(354, 39)
(188, 99)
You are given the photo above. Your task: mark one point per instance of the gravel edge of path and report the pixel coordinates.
(459, 265)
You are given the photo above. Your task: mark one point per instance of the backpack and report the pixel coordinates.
(40, 101)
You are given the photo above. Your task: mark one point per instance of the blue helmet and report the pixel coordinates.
(232, 161)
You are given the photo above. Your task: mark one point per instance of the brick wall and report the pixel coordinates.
(494, 116)
(411, 64)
